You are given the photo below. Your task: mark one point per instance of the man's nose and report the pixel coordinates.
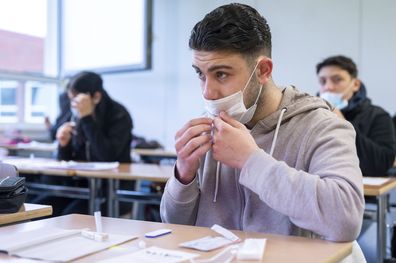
(210, 91)
(328, 86)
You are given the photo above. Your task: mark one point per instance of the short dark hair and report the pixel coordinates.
(234, 27)
(85, 82)
(342, 62)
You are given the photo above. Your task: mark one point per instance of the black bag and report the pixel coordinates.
(12, 189)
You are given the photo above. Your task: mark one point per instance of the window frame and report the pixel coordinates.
(147, 46)
(10, 108)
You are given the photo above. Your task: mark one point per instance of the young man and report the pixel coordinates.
(100, 128)
(375, 137)
(268, 159)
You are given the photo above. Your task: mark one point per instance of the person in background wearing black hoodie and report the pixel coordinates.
(100, 128)
(375, 136)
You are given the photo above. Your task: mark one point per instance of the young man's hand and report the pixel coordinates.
(191, 143)
(64, 133)
(232, 142)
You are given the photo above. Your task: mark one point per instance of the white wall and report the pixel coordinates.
(304, 32)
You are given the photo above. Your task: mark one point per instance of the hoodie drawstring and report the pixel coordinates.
(276, 131)
(218, 165)
(217, 181)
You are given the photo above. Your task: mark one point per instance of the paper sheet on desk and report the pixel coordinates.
(374, 180)
(53, 164)
(54, 244)
(38, 145)
(91, 166)
(153, 255)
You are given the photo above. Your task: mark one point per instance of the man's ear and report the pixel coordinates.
(97, 97)
(356, 85)
(264, 69)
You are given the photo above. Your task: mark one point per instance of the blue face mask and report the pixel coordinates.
(335, 99)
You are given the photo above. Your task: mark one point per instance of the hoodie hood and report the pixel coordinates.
(359, 98)
(295, 103)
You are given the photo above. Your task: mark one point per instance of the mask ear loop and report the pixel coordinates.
(250, 77)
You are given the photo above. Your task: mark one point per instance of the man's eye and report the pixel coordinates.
(221, 75)
(200, 75)
(337, 80)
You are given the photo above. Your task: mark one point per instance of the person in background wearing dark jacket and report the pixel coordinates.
(375, 137)
(100, 128)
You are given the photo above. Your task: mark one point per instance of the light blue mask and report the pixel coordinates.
(335, 99)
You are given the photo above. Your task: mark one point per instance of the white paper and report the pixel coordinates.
(152, 255)
(374, 180)
(207, 243)
(35, 145)
(53, 244)
(66, 165)
(91, 166)
(225, 232)
(252, 249)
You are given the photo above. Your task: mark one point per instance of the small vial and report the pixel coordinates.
(142, 244)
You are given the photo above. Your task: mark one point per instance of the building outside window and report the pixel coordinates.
(28, 61)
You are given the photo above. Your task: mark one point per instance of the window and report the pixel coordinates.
(99, 35)
(8, 101)
(37, 105)
(105, 36)
(27, 41)
(28, 60)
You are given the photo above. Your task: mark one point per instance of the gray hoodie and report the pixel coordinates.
(310, 186)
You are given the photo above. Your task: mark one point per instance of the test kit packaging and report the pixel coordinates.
(12, 189)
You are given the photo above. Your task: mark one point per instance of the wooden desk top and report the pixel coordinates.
(126, 171)
(376, 190)
(135, 171)
(27, 211)
(154, 153)
(279, 249)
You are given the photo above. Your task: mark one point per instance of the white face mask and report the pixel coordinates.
(75, 113)
(233, 104)
(335, 99)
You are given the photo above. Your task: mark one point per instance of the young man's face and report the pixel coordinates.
(222, 74)
(337, 80)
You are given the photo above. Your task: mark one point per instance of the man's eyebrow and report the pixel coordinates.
(196, 68)
(213, 68)
(217, 67)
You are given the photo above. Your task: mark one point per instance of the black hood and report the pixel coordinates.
(358, 99)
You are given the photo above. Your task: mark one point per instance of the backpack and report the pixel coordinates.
(12, 189)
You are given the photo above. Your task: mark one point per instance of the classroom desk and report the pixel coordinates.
(27, 211)
(27, 166)
(135, 172)
(279, 249)
(380, 192)
(33, 148)
(158, 153)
